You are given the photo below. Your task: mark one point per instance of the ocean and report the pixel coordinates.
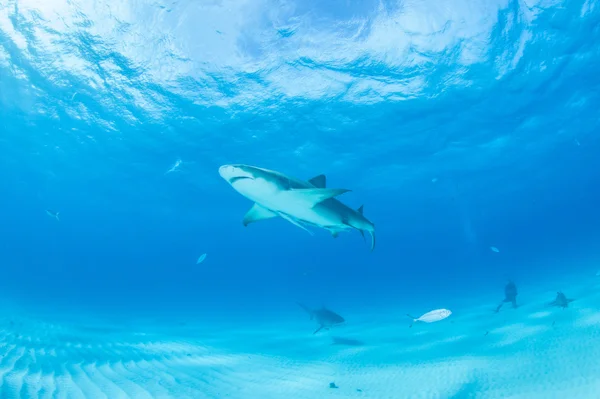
(467, 130)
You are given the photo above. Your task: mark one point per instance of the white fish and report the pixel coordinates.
(494, 249)
(52, 213)
(175, 166)
(433, 316)
(201, 259)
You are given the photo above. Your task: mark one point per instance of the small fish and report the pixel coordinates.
(201, 259)
(434, 180)
(175, 166)
(494, 249)
(433, 316)
(486, 334)
(52, 213)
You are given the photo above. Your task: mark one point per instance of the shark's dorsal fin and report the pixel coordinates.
(319, 181)
(360, 210)
(257, 213)
(307, 310)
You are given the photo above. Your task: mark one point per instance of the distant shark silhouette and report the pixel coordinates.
(510, 295)
(561, 300)
(297, 201)
(325, 317)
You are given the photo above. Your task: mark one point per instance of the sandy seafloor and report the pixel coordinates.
(534, 351)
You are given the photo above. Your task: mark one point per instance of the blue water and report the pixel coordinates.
(460, 125)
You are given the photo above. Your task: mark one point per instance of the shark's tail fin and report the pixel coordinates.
(56, 216)
(310, 312)
(372, 233)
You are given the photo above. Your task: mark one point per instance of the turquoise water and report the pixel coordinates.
(467, 129)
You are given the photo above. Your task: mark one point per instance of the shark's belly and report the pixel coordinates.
(317, 217)
(294, 206)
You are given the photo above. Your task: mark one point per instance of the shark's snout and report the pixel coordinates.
(227, 171)
(232, 173)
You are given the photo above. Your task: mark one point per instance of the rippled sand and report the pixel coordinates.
(531, 352)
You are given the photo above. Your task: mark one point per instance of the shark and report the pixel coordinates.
(302, 203)
(561, 300)
(325, 317)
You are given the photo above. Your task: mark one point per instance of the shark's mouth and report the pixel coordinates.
(238, 178)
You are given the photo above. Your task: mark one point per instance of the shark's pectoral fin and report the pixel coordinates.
(319, 181)
(307, 310)
(257, 213)
(296, 223)
(334, 233)
(318, 329)
(312, 196)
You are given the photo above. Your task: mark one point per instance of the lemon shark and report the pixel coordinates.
(297, 201)
(325, 317)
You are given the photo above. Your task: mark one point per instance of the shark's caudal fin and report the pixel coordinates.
(306, 309)
(362, 233)
(312, 196)
(372, 233)
(319, 181)
(56, 216)
(257, 213)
